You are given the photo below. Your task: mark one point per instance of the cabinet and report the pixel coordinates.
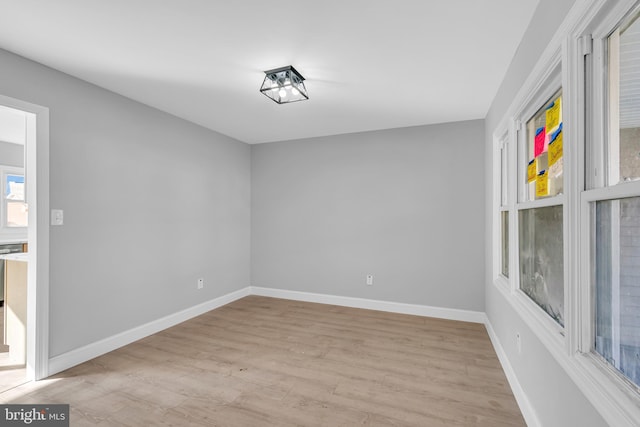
(15, 312)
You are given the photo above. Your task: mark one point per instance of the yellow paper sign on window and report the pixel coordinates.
(553, 115)
(542, 184)
(555, 150)
(531, 170)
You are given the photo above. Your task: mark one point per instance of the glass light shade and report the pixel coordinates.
(284, 85)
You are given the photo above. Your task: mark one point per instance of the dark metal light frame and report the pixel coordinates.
(284, 85)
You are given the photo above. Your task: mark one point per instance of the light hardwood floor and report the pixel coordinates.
(271, 362)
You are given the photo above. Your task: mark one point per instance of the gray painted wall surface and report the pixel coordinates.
(11, 154)
(555, 398)
(400, 204)
(151, 203)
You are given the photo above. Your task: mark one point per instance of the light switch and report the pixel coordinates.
(57, 217)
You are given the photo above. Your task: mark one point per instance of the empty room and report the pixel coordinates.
(366, 212)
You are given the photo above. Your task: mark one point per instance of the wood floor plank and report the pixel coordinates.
(272, 362)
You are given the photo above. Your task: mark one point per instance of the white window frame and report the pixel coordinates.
(551, 82)
(614, 386)
(615, 400)
(10, 234)
(548, 84)
(502, 142)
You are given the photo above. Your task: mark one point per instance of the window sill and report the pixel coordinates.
(502, 283)
(609, 394)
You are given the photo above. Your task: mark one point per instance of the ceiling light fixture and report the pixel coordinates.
(284, 84)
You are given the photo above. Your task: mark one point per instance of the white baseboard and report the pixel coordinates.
(75, 357)
(526, 408)
(394, 307)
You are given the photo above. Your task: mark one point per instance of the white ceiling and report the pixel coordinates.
(369, 64)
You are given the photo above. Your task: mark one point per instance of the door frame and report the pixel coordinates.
(37, 177)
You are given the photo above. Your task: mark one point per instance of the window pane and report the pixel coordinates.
(624, 111)
(541, 259)
(617, 284)
(16, 214)
(14, 189)
(504, 232)
(504, 180)
(543, 171)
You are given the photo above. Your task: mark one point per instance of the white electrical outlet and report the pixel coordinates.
(57, 217)
(200, 283)
(518, 342)
(369, 279)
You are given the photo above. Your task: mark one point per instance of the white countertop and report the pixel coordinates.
(4, 240)
(21, 256)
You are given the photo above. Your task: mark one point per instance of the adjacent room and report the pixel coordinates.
(373, 213)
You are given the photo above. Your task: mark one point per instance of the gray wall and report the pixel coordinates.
(11, 154)
(554, 396)
(400, 204)
(151, 203)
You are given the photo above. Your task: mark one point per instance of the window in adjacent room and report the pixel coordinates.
(16, 208)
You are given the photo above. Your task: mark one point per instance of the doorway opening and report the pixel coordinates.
(24, 241)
